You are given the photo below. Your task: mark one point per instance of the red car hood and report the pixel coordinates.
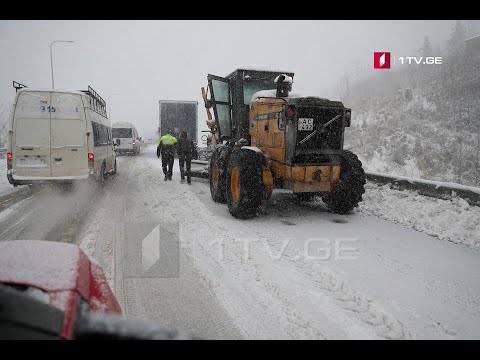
(47, 265)
(63, 272)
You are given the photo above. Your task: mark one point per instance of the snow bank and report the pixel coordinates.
(5, 186)
(453, 220)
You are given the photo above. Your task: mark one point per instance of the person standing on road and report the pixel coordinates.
(185, 149)
(166, 148)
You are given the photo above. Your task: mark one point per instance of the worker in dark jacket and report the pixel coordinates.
(166, 148)
(185, 150)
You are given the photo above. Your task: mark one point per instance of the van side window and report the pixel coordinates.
(101, 134)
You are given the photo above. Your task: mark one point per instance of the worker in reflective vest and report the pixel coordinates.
(166, 149)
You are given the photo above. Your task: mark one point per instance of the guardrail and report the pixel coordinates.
(200, 173)
(201, 162)
(435, 189)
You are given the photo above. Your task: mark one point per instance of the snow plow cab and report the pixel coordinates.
(266, 137)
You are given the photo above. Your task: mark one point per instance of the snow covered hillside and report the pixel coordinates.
(420, 121)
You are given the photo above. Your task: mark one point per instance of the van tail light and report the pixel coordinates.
(91, 158)
(9, 161)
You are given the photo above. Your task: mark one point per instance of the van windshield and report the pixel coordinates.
(122, 133)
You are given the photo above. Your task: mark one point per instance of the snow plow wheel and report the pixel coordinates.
(244, 184)
(351, 188)
(235, 184)
(217, 178)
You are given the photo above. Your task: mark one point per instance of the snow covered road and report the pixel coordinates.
(45, 213)
(397, 283)
(296, 272)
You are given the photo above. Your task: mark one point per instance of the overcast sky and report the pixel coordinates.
(145, 61)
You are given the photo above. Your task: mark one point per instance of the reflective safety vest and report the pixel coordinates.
(168, 140)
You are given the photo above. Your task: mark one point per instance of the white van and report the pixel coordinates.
(125, 138)
(59, 136)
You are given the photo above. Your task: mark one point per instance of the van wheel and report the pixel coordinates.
(11, 181)
(101, 177)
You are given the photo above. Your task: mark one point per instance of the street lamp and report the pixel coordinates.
(51, 57)
(109, 111)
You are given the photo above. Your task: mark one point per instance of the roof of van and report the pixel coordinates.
(51, 90)
(123, 125)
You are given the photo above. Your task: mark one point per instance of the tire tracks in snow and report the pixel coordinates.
(328, 283)
(253, 312)
(98, 238)
(367, 310)
(318, 281)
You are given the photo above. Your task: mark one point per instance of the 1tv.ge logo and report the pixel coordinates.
(381, 60)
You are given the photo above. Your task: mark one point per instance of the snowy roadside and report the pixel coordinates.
(286, 298)
(281, 289)
(5, 186)
(277, 290)
(453, 220)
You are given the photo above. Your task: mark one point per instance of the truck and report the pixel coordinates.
(177, 116)
(266, 137)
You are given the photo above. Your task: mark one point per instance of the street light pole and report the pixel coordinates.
(51, 56)
(109, 111)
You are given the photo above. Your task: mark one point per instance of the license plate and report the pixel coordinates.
(31, 162)
(305, 124)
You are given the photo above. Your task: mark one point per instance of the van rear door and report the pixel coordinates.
(123, 137)
(69, 136)
(31, 134)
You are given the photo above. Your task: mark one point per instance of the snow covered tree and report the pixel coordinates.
(437, 134)
(456, 42)
(426, 49)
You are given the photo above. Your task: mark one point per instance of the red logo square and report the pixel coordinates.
(381, 60)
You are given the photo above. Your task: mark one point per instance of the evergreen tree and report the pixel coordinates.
(456, 42)
(426, 49)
